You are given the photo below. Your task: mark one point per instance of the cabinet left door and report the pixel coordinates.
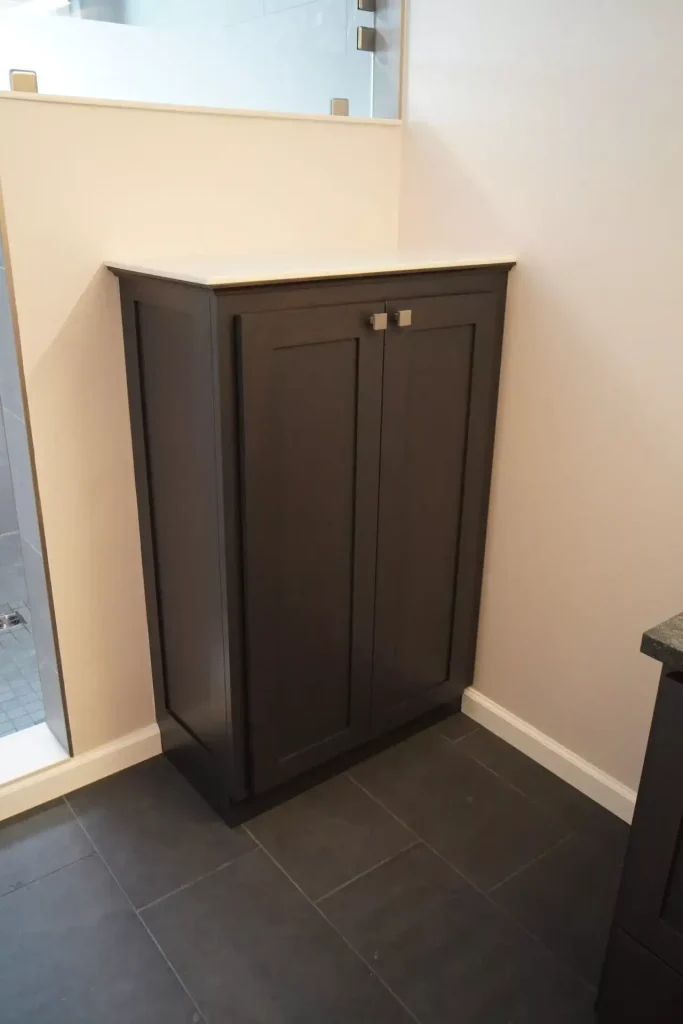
(311, 383)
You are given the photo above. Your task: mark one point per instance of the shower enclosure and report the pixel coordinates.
(21, 700)
(279, 56)
(30, 685)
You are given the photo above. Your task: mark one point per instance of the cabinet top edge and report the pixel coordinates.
(665, 643)
(251, 270)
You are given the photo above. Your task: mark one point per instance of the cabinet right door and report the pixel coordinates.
(438, 417)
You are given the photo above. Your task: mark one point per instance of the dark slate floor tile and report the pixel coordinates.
(329, 835)
(448, 953)
(39, 842)
(73, 952)
(154, 831)
(457, 726)
(485, 828)
(579, 812)
(567, 900)
(251, 948)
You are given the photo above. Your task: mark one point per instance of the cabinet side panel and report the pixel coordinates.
(175, 363)
(486, 363)
(650, 904)
(637, 987)
(672, 907)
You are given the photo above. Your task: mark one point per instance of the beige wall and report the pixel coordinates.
(81, 183)
(553, 130)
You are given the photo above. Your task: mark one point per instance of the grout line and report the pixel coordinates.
(199, 878)
(538, 804)
(534, 801)
(513, 874)
(387, 809)
(334, 928)
(458, 739)
(132, 906)
(482, 892)
(564, 964)
(362, 874)
(34, 881)
(469, 881)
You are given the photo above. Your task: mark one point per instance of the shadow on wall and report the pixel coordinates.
(443, 200)
(583, 489)
(79, 382)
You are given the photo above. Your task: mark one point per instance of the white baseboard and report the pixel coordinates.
(28, 751)
(74, 772)
(575, 770)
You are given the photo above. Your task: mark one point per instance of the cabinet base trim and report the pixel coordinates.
(36, 789)
(584, 776)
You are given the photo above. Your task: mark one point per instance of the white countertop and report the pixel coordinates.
(259, 269)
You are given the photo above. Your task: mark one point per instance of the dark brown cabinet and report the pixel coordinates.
(313, 491)
(651, 907)
(643, 974)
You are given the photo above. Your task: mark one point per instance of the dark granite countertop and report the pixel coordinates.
(665, 643)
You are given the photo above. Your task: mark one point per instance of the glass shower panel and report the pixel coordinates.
(285, 56)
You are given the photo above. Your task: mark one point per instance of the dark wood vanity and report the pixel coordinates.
(643, 975)
(313, 461)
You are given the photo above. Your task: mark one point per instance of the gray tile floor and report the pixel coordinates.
(21, 701)
(447, 880)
